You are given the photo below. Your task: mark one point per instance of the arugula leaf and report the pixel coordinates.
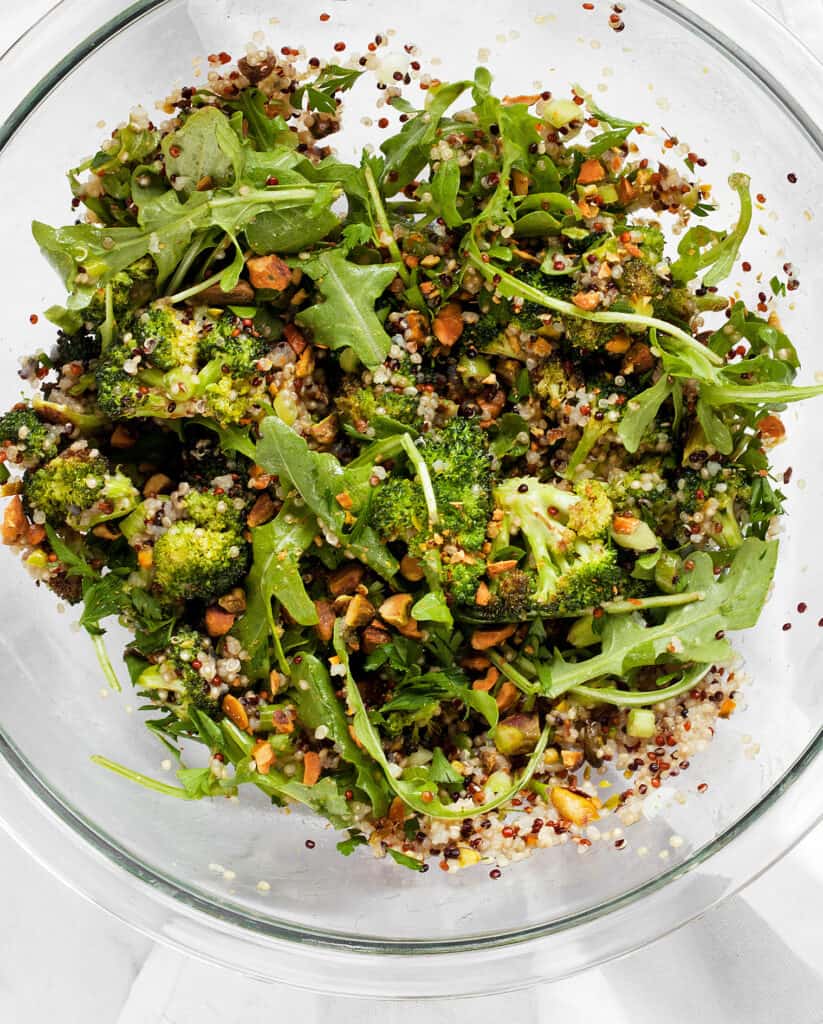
(346, 315)
(266, 132)
(204, 147)
(641, 411)
(102, 598)
(687, 633)
(348, 846)
(407, 152)
(720, 256)
(277, 547)
(202, 782)
(444, 188)
(608, 140)
(317, 705)
(600, 114)
(74, 564)
(407, 862)
(320, 93)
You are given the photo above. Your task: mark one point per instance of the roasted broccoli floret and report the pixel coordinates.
(238, 348)
(510, 598)
(461, 579)
(25, 439)
(554, 380)
(713, 504)
(198, 562)
(80, 488)
(80, 347)
(173, 680)
(360, 407)
(216, 511)
(638, 279)
(587, 334)
(565, 532)
(168, 337)
(645, 490)
(458, 463)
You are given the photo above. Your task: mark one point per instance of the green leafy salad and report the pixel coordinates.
(430, 486)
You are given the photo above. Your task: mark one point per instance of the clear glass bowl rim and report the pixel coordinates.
(47, 815)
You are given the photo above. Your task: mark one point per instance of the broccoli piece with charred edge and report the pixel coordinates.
(171, 680)
(359, 407)
(717, 501)
(31, 440)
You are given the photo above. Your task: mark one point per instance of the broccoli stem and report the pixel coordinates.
(422, 470)
(139, 777)
(82, 420)
(385, 236)
(636, 604)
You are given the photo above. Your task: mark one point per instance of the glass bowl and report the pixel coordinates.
(191, 874)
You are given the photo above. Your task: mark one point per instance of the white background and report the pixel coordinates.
(755, 960)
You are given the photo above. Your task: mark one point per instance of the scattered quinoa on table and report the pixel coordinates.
(429, 486)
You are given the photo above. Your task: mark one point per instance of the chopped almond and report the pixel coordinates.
(618, 345)
(311, 768)
(573, 806)
(591, 171)
(626, 192)
(35, 534)
(121, 437)
(295, 339)
(587, 300)
(396, 610)
(411, 569)
(261, 511)
(397, 810)
(325, 620)
(506, 696)
(304, 367)
(571, 758)
(269, 272)
(484, 639)
(482, 596)
(359, 612)
(638, 359)
(448, 324)
(234, 710)
(14, 521)
(233, 602)
(218, 622)
(345, 579)
(242, 294)
(156, 484)
(498, 568)
(418, 327)
(325, 432)
(375, 635)
(475, 662)
(263, 756)
(488, 681)
(411, 630)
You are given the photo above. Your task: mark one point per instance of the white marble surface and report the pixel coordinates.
(756, 959)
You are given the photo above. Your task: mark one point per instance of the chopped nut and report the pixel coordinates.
(411, 569)
(275, 681)
(571, 758)
(14, 521)
(551, 756)
(506, 696)
(235, 711)
(359, 611)
(241, 295)
(345, 579)
(325, 431)
(218, 622)
(591, 171)
(430, 261)
(156, 484)
(573, 806)
(344, 500)
(498, 568)
(397, 810)
(294, 336)
(104, 531)
(626, 191)
(396, 610)
(619, 344)
(305, 364)
(261, 511)
(467, 857)
(311, 768)
(638, 359)
(475, 662)
(418, 326)
(488, 681)
(448, 324)
(483, 639)
(586, 300)
(263, 756)
(410, 630)
(269, 272)
(325, 620)
(482, 596)
(121, 437)
(234, 602)
(375, 635)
